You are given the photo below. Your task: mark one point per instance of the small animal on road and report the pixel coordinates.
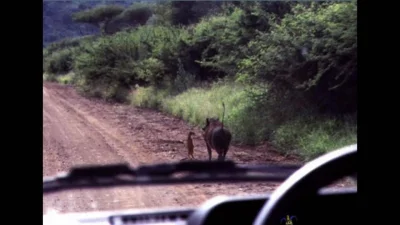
(189, 145)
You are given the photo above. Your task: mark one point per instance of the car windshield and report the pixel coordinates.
(146, 82)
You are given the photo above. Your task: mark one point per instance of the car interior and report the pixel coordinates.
(301, 199)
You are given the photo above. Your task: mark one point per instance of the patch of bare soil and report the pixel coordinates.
(81, 131)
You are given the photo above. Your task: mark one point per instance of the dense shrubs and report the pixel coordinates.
(309, 56)
(59, 62)
(146, 56)
(289, 70)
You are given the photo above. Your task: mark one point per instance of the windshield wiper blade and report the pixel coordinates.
(166, 173)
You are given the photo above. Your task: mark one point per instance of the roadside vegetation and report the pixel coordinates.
(286, 71)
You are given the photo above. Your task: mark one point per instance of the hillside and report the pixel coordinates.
(57, 19)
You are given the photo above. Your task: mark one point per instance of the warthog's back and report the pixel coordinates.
(220, 138)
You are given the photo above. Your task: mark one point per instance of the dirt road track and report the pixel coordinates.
(79, 131)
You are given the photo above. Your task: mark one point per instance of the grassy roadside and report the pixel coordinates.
(63, 79)
(284, 70)
(306, 137)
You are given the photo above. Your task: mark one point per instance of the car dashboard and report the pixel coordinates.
(331, 206)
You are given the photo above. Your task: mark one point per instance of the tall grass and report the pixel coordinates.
(311, 137)
(306, 137)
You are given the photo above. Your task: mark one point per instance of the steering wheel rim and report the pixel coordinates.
(306, 182)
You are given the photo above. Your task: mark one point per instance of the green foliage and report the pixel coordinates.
(59, 62)
(222, 39)
(136, 14)
(67, 43)
(293, 66)
(183, 80)
(183, 13)
(146, 55)
(58, 24)
(311, 53)
(311, 137)
(59, 57)
(218, 39)
(196, 104)
(308, 137)
(149, 97)
(99, 16)
(49, 77)
(162, 14)
(190, 12)
(67, 78)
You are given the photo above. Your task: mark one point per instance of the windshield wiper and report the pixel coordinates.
(171, 173)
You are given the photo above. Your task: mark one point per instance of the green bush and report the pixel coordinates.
(218, 41)
(67, 43)
(59, 62)
(49, 77)
(310, 54)
(311, 137)
(144, 56)
(67, 78)
(59, 57)
(148, 97)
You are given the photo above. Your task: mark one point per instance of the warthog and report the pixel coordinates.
(217, 137)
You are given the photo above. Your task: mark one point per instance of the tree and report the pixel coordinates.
(136, 14)
(99, 16)
(309, 54)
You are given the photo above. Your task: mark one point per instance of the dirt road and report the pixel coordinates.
(79, 131)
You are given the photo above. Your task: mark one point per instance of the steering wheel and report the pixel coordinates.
(305, 182)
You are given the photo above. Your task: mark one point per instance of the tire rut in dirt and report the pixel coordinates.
(78, 125)
(146, 139)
